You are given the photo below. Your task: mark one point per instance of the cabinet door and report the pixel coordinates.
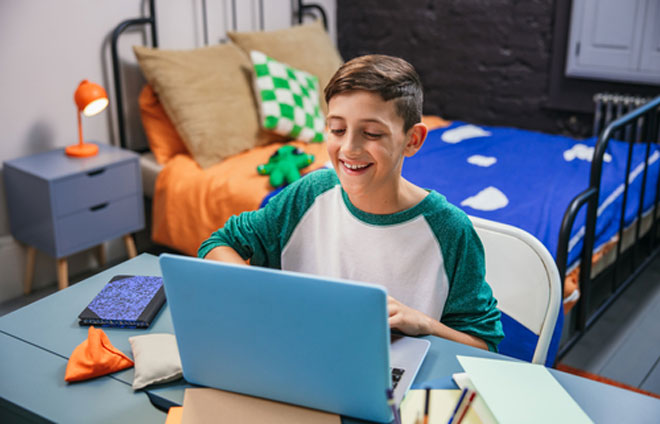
(610, 30)
(614, 40)
(650, 60)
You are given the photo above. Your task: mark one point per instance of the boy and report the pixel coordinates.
(362, 221)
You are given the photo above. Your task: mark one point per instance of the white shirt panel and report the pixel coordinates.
(405, 258)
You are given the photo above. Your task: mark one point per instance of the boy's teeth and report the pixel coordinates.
(348, 165)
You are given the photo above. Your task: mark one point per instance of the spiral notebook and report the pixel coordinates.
(126, 301)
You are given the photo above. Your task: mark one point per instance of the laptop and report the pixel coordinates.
(302, 339)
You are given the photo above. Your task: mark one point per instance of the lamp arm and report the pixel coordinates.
(80, 136)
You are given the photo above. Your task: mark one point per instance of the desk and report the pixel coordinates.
(36, 340)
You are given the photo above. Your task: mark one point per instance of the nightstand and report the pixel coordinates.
(62, 205)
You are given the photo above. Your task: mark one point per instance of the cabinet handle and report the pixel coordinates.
(97, 207)
(95, 173)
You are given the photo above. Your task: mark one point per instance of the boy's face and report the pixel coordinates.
(366, 144)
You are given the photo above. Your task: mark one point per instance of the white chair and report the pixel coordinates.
(524, 279)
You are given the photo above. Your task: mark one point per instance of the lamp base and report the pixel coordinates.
(82, 150)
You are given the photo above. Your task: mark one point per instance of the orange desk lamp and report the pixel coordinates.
(91, 99)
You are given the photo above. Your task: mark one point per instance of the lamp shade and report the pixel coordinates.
(90, 98)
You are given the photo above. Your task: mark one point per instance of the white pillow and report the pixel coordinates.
(156, 359)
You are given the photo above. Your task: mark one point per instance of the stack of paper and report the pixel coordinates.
(518, 392)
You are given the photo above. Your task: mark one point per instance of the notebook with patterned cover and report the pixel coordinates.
(126, 301)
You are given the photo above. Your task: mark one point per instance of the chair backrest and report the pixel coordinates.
(524, 279)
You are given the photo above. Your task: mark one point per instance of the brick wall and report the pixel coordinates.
(482, 61)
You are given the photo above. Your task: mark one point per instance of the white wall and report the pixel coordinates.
(48, 47)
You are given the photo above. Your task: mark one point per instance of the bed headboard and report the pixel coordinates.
(299, 10)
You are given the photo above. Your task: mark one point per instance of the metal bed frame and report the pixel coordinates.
(641, 125)
(638, 125)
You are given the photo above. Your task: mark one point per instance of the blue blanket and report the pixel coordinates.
(527, 179)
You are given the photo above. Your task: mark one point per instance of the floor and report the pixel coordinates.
(624, 345)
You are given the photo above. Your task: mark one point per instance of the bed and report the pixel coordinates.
(571, 200)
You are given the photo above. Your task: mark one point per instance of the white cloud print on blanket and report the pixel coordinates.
(464, 132)
(488, 199)
(583, 152)
(483, 161)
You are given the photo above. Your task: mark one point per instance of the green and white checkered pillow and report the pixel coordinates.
(288, 99)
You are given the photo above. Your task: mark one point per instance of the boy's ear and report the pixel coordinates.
(416, 136)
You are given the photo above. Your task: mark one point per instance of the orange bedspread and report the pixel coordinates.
(190, 203)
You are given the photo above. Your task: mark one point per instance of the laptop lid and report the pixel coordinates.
(297, 338)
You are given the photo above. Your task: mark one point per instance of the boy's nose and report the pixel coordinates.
(352, 144)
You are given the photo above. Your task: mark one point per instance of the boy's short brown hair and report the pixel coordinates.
(391, 77)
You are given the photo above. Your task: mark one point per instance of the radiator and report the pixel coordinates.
(609, 107)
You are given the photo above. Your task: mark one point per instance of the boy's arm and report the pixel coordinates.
(245, 236)
(415, 323)
(225, 254)
(470, 307)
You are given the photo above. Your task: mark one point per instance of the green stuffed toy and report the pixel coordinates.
(284, 164)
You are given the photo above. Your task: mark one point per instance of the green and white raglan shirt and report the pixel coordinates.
(428, 257)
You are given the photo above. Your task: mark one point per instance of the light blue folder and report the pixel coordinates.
(296, 338)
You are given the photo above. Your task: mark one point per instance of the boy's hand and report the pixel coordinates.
(415, 323)
(406, 319)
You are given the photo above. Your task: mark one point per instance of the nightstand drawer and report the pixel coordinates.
(92, 188)
(109, 220)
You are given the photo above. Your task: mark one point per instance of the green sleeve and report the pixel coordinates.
(470, 306)
(261, 235)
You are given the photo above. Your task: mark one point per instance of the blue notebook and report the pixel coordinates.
(126, 301)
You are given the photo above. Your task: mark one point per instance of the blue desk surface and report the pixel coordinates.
(45, 333)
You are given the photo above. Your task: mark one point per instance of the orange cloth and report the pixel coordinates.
(95, 357)
(190, 203)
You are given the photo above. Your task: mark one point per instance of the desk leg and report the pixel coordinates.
(29, 269)
(130, 246)
(100, 254)
(62, 273)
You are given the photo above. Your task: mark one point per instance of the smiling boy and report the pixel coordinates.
(363, 221)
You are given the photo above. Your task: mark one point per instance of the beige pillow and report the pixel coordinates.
(207, 94)
(306, 47)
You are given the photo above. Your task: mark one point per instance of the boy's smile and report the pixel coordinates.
(367, 144)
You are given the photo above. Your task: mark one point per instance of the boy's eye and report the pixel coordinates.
(337, 131)
(372, 135)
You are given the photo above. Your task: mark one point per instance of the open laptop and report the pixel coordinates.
(317, 342)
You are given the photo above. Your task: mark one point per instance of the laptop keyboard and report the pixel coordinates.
(396, 376)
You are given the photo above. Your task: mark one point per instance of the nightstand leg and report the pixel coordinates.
(130, 246)
(29, 269)
(100, 254)
(62, 273)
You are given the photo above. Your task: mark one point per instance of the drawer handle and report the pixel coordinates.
(98, 207)
(95, 173)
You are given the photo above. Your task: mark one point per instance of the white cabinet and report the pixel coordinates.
(616, 40)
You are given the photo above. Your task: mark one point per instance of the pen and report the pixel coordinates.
(467, 406)
(426, 405)
(390, 402)
(458, 405)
